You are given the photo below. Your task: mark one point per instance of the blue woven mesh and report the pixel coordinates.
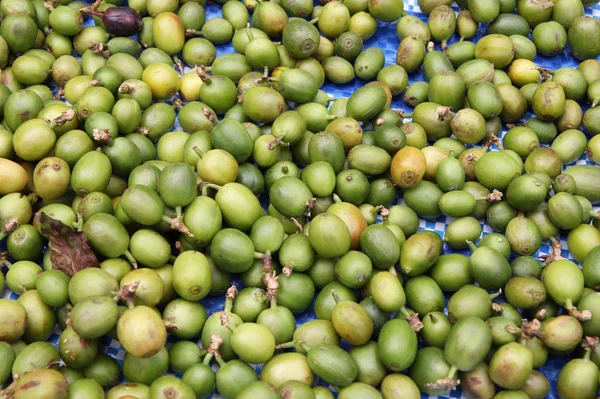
(387, 40)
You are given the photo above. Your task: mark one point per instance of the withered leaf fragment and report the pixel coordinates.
(70, 250)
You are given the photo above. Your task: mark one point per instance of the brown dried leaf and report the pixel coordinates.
(70, 250)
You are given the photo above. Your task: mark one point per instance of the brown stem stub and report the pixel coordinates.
(53, 363)
(178, 246)
(471, 157)
(98, 48)
(496, 141)
(215, 343)
(262, 79)
(271, 146)
(447, 384)
(309, 206)
(171, 325)
(541, 315)
(59, 94)
(224, 318)
(581, 315)
(93, 7)
(272, 285)
(126, 89)
(179, 65)
(383, 211)
(556, 252)
(267, 263)
(49, 5)
(414, 322)
(231, 292)
(202, 73)
(494, 197)
(287, 270)
(443, 112)
(102, 135)
(127, 292)
(545, 75)
(178, 225)
(65, 117)
(512, 330)
(487, 144)
(208, 114)
(177, 104)
(451, 317)
(10, 226)
(496, 307)
(531, 329)
(589, 343)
